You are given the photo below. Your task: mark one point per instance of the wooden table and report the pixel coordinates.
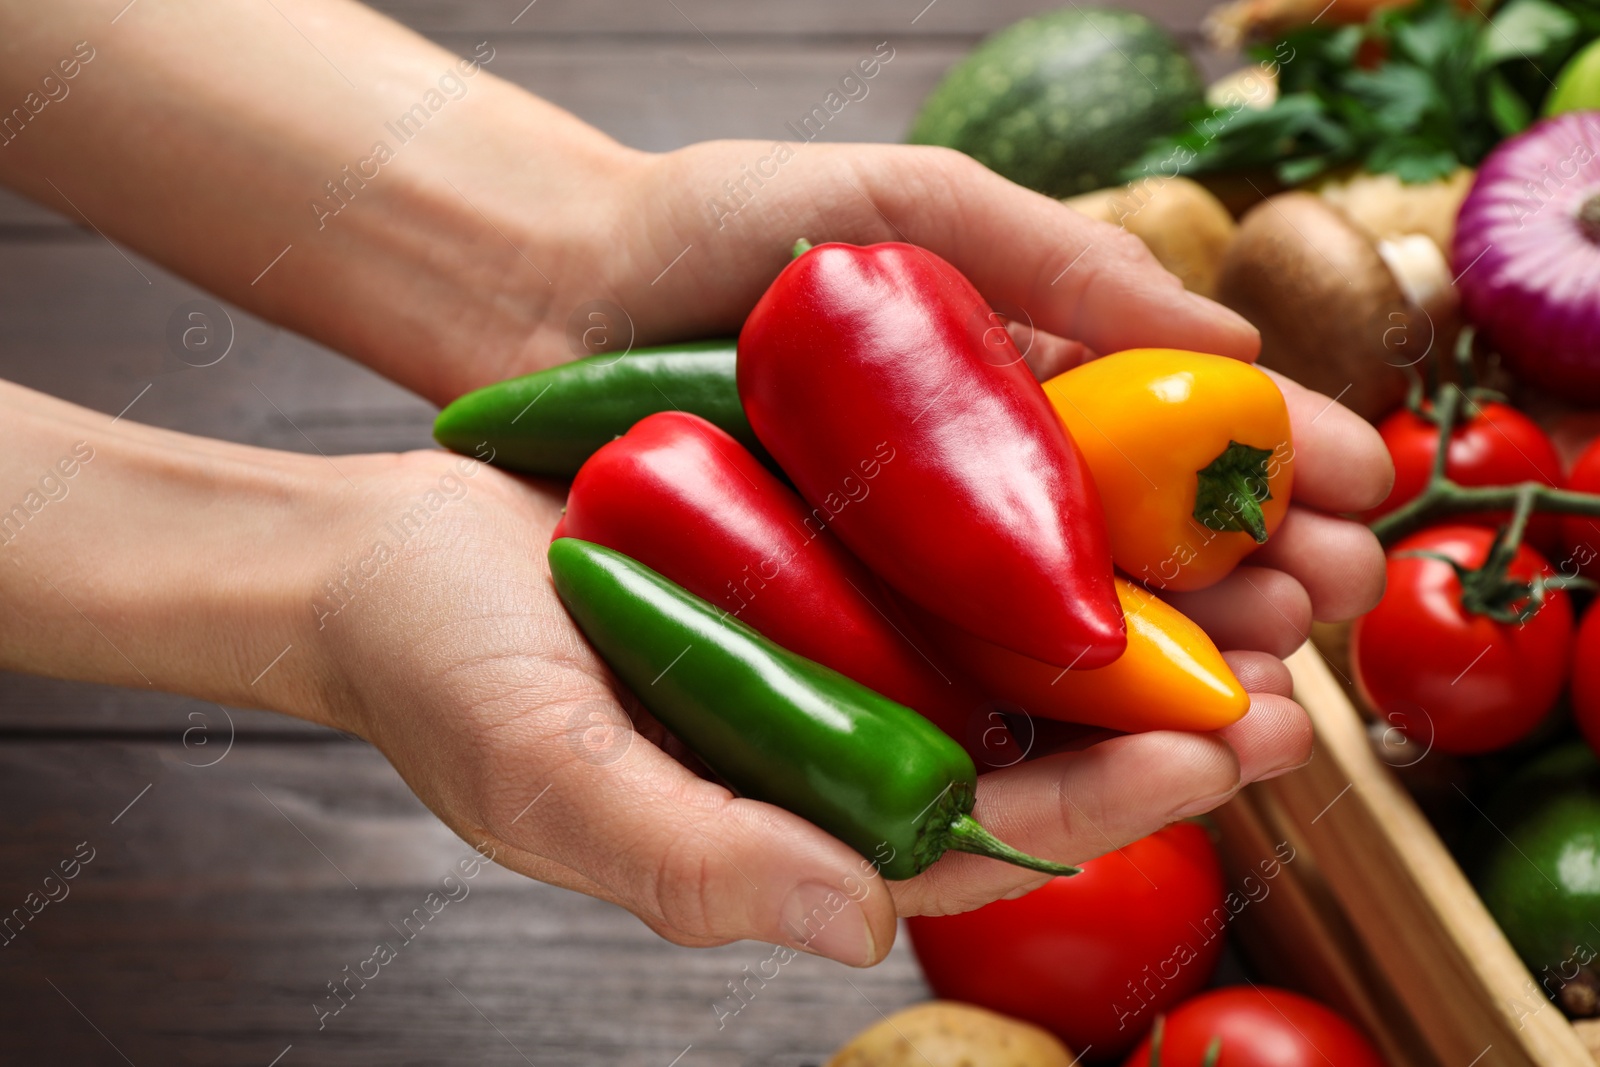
(241, 861)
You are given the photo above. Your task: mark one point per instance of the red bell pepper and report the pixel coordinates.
(896, 400)
(691, 503)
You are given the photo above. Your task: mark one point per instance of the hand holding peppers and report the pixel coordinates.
(1114, 776)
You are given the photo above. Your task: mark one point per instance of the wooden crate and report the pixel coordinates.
(1373, 915)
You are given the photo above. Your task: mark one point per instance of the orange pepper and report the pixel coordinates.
(1192, 455)
(1170, 677)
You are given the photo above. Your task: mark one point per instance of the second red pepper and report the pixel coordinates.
(691, 503)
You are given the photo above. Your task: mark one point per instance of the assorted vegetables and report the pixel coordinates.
(842, 557)
(942, 566)
(1472, 649)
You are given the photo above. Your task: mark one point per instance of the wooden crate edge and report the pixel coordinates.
(1406, 896)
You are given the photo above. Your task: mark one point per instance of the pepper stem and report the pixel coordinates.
(801, 247)
(966, 834)
(1231, 490)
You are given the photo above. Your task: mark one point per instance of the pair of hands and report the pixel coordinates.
(459, 662)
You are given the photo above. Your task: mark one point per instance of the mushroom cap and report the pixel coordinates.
(1332, 315)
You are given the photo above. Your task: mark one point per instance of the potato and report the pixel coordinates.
(1183, 225)
(1386, 207)
(943, 1033)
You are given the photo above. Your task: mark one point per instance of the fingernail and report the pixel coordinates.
(1276, 771)
(1221, 313)
(821, 920)
(1203, 805)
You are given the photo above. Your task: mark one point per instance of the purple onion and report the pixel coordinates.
(1527, 253)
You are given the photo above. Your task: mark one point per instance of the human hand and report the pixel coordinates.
(686, 268)
(506, 710)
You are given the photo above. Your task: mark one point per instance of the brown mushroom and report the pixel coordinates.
(1338, 311)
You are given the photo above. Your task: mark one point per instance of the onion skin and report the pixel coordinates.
(1527, 267)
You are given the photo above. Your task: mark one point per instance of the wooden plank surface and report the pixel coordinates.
(216, 906)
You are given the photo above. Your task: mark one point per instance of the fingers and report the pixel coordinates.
(1076, 277)
(1340, 462)
(1046, 354)
(1253, 609)
(1075, 806)
(1338, 562)
(1275, 734)
(699, 865)
(1259, 672)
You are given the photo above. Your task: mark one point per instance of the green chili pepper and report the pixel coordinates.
(776, 726)
(548, 423)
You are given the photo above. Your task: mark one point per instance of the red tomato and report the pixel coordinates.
(1449, 679)
(1498, 446)
(1260, 1027)
(1580, 534)
(1095, 957)
(1586, 678)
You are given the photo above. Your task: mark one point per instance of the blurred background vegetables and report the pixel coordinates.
(1380, 184)
(1063, 101)
(1527, 254)
(1417, 91)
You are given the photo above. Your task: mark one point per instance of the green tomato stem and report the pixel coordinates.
(801, 247)
(1443, 497)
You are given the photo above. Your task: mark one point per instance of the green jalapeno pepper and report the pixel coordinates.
(776, 726)
(548, 423)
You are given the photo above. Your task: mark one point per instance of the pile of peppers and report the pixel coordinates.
(843, 556)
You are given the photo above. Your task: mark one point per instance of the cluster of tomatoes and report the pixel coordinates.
(1097, 958)
(1475, 640)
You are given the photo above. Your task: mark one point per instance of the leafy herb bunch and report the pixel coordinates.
(1417, 91)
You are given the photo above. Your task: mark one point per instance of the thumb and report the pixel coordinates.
(1036, 259)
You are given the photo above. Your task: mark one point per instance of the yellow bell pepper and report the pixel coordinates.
(1192, 455)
